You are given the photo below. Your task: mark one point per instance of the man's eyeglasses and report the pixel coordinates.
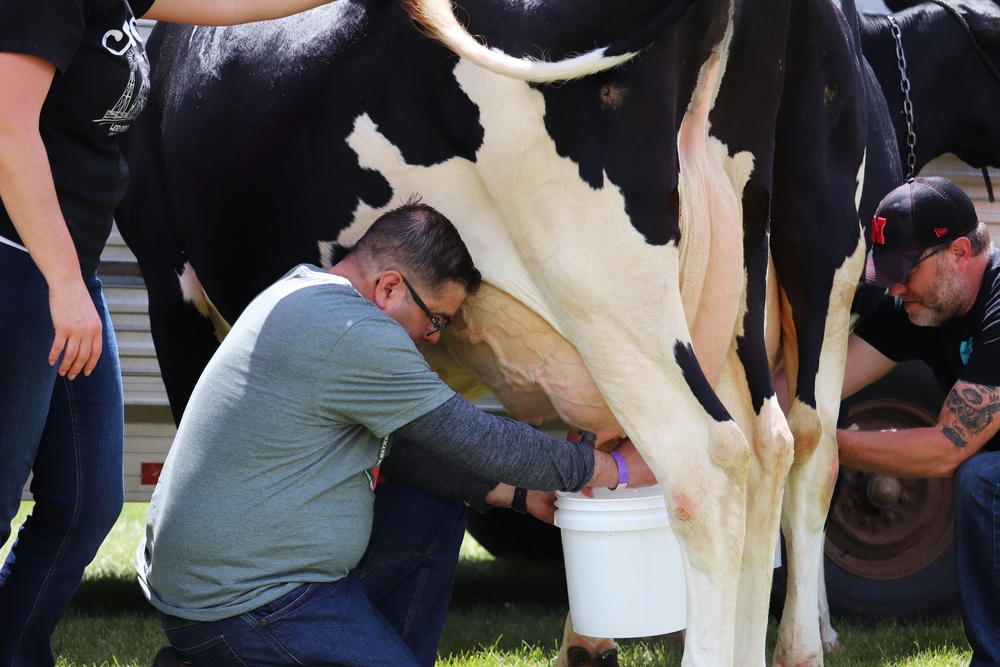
(439, 323)
(906, 278)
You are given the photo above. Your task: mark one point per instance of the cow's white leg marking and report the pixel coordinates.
(826, 632)
(812, 476)
(193, 293)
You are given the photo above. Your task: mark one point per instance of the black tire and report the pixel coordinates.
(909, 572)
(933, 591)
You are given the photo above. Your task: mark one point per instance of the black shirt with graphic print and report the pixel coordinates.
(964, 348)
(100, 86)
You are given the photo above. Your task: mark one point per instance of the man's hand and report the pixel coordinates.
(606, 471)
(639, 474)
(540, 504)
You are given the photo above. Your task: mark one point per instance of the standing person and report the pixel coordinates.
(268, 541)
(73, 76)
(942, 307)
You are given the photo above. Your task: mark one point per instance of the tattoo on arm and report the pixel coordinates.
(954, 436)
(972, 407)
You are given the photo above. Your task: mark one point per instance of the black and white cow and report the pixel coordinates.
(952, 63)
(622, 220)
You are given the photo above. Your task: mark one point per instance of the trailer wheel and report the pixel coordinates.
(888, 550)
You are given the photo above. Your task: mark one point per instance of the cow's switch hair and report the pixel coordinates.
(418, 241)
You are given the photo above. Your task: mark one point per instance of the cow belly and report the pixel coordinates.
(534, 372)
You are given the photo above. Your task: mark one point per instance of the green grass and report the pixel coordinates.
(504, 613)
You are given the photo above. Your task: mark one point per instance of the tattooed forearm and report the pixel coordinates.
(954, 436)
(972, 407)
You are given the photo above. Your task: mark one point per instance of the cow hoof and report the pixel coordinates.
(578, 656)
(607, 659)
(833, 647)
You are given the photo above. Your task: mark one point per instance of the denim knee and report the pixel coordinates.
(977, 480)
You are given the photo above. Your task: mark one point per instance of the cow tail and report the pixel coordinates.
(436, 19)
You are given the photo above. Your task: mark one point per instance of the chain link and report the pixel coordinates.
(904, 85)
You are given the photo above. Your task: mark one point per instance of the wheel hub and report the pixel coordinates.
(883, 492)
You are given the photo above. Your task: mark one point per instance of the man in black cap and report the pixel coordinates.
(943, 307)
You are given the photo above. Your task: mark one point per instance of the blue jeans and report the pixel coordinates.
(71, 435)
(389, 611)
(977, 554)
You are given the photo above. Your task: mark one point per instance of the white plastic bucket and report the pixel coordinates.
(623, 564)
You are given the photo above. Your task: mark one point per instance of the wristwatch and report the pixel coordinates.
(520, 502)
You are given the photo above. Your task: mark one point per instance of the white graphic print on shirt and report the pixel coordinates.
(127, 42)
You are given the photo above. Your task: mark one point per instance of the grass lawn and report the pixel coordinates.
(504, 613)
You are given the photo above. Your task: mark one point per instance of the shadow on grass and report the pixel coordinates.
(510, 580)
(505, 605)
(110, 596)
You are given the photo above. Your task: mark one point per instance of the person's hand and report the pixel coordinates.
(639, 474)
(542, 505)
(77, 329)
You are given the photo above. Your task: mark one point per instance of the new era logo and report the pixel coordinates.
(940, 231)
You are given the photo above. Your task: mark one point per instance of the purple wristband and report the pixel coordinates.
(622, 469)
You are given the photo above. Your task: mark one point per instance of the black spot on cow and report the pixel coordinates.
(686, 359)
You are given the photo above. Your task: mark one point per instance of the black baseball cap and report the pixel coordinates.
(919, 214)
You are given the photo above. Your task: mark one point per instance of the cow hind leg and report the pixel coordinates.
(747, 390)
(770, 461)
(827, 633)
(811, 480)
(808, 492)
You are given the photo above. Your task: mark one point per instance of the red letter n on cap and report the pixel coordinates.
(878, 230)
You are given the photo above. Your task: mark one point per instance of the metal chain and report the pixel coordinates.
(904, 85)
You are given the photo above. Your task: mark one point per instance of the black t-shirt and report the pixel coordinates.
(100, 86)
(965, 348)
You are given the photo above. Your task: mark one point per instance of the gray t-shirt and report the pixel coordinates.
(267, 483)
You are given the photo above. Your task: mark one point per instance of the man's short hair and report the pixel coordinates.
(979, 238)
(421, 243)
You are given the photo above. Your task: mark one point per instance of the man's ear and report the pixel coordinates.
(961, 248)
(388, 285)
